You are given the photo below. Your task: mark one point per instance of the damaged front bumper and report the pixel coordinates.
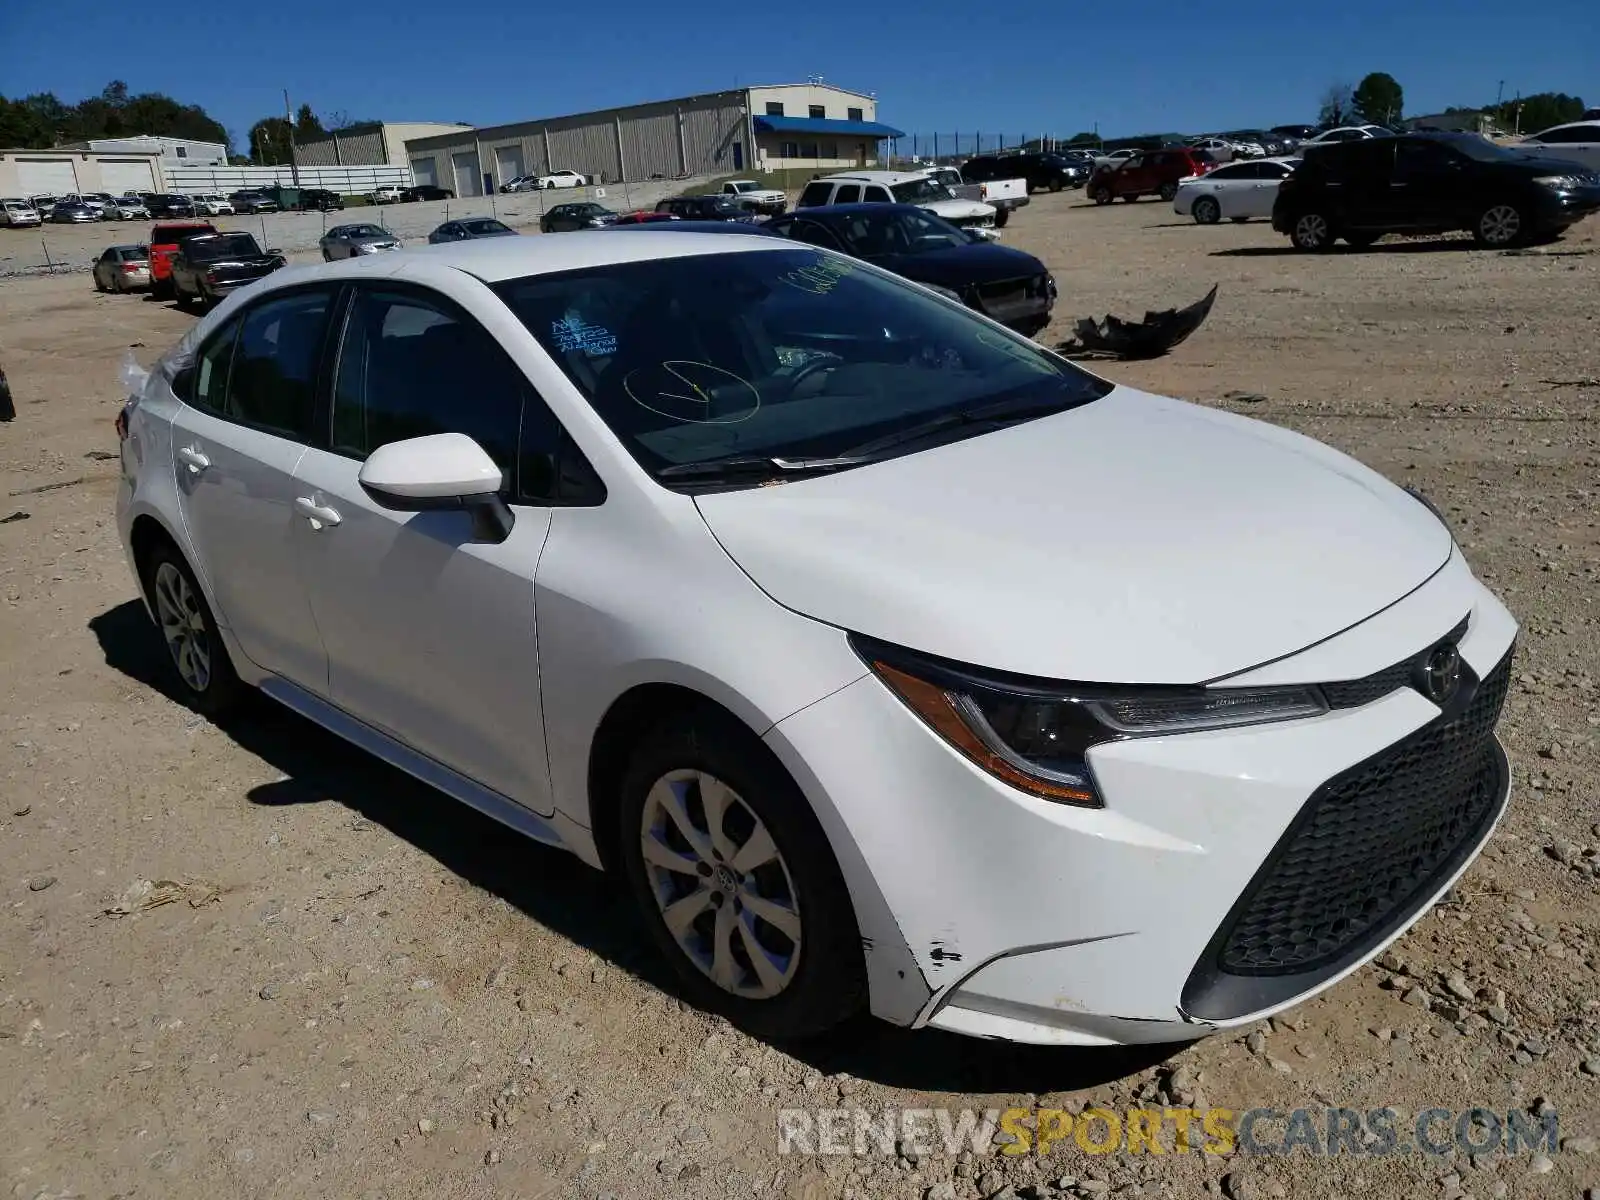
(1038, 922)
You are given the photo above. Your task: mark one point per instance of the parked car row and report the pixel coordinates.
(554, 179)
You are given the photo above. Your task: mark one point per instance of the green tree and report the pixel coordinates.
(1379, 99)
(1530, 114)
(1084, 139)
(306, 126)
(269, 142)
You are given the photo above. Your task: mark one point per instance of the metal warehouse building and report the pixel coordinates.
(749, 129)
(59, 172)
(375, 144)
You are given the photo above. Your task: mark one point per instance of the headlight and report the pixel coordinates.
(1035, 734)
(1560, 183)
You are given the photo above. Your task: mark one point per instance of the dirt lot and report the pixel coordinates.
(363, 989)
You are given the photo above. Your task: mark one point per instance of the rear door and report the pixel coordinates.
(1359, 178)
(246, 418)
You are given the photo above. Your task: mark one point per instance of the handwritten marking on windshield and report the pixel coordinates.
(574, 333)
(820, 277)
(692, 392)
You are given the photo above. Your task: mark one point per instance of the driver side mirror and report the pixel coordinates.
(441, 471)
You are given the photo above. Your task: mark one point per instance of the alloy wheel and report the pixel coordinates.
(1500, 226)
(183, 625)
(721, 884)
(1311, 232)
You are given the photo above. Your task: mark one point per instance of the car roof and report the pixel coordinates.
(885, 177)
(838, 212)
(1591, 122)
(495, 259)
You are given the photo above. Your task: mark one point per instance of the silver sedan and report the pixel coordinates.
(351, 241)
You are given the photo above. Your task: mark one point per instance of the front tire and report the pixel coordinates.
(1055, 185)
(1001, 217)
(1168, 192)
(1499, 226)
(205, 676)
(1312, 233)
(1101, 195)
(1206, 211)
(736, 882)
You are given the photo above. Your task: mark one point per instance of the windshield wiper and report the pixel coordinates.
(1001, 413)
(753, 464)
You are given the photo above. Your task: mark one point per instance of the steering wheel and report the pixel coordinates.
(813, 366)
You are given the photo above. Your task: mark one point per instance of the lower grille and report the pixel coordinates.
(1371, 843)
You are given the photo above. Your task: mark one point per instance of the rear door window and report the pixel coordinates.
(816, 194)
(878, 195)
(272, 383)
(848, 193)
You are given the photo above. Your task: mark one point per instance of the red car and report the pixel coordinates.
(164, 239)
(1148, 173)
(641, 218)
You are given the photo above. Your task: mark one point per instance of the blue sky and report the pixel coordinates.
(1027, 67)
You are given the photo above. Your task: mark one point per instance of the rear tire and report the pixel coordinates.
(753, 850)
(1001, 216)
(205, 677)
(1055, 185)
(1206, 211)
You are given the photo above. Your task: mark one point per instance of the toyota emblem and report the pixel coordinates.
(1440, 674)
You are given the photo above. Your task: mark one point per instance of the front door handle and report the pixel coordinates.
(318, 514)
(193, 459)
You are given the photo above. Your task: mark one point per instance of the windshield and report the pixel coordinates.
(1480, 148)
(365, 231)
(783, 352)
(224, 245)
(903, 231)
(745, 185)
(920, 191)
(484, 227)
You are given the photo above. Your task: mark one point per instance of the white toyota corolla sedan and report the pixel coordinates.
(1238, 191)
(890, 660)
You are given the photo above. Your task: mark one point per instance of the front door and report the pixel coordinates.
(236, 442)
(1424, 185)
(430, 633)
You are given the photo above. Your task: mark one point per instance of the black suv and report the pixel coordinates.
(1430, 183)
(705, 208)
(1042, 171)
(320, 200)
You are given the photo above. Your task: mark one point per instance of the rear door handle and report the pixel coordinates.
(193, 459)
(318, 514)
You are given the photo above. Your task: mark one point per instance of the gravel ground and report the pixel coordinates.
(249, 961)
(66, 248)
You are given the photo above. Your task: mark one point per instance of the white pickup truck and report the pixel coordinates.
(1004, 195)
(751, 195)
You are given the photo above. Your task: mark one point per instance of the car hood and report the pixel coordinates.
(958, 210)
(979, 262)
(1136, 539)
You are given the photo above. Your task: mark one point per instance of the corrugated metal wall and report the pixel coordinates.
(360, 147)
(651, 144)
(587, 145)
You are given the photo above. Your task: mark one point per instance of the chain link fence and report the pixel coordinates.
(51, 249)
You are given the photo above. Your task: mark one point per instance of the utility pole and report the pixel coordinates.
(288, 116)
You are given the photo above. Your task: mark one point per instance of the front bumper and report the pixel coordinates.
(1039, 922)
(1567, 206)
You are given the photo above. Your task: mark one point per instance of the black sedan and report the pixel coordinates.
(210, 265)
(706, 208)
(1008, 285)
(470, 229)
(564, 218)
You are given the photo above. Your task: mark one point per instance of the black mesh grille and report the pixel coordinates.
(1371, 842)
(1353, 693)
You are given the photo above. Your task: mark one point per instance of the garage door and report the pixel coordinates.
(46, 177)
(466, 169)
(121, 176)
(425, 172)
(508, 162)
